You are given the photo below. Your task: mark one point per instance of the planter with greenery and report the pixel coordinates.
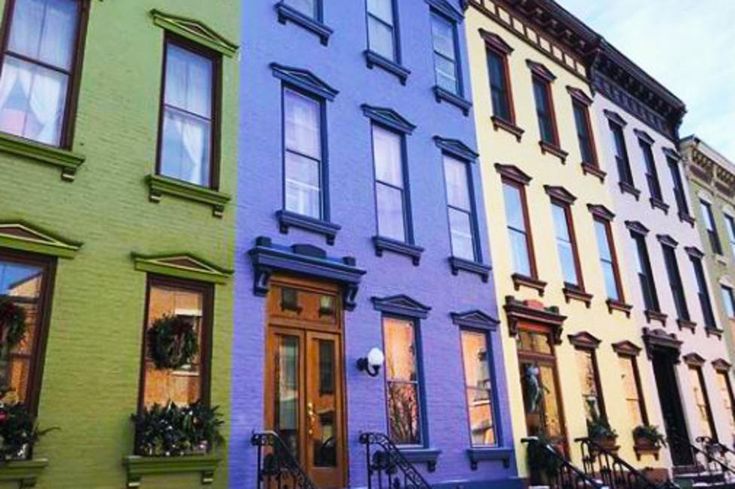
(600, 432)
(648, 440)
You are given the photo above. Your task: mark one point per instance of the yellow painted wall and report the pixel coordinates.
(498, 146)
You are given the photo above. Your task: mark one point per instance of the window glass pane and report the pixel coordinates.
(446, 74)
(479, 387)
(442, 31)
(543, 110)
(583, 133)
(404, 412)
(589, 383)
(514, 207)
(182, 386)
(188, 81)
(303, 191)
(303, 125)
(455, 174)
(603, 245)
(390, 213)
(519, 248)
(461, 230)
(727, 301)
(723, 384)
(700, 398)
(498, 88)
(287, 392)
(306, 7)
(630, 385)
(32, 101)
(381, 38)
(388, 157)
(610, 282)
(564, 245)
(45, 30)
(185, 149)
(382, 9)
(21, 284)
(400, 350)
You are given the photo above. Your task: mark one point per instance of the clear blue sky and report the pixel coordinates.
(687, 45)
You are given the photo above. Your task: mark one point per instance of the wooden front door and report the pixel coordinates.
(304, 377)
(540, 384)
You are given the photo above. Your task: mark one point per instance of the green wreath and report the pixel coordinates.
(12, 323)
(172, 342)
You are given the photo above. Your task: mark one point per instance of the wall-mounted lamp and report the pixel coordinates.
(372, 362)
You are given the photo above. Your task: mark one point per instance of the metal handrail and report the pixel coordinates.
(277, 467)
(566, 475)
(709, 447)
(387, 467)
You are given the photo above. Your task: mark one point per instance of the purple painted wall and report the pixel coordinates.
(342, 65)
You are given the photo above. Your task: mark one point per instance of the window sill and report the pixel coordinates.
(289, 14)
(714, 332)
(686, 324)
(553, 149)
(574, 293)
(530, 282)
(374, 59)
(428, 456)
(469, 266)
(67, 161)
(443, 95)
(655, 316)
(499, 123)
(386, 244)
(613, 305)
(23, 472)
(594, 170)
(659, 204)
(481, 454)
(136, 467)
(627, 188)
(159, 185)
(687, 219)
(288, 219)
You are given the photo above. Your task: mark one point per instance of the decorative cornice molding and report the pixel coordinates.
(560, 193)
(667, 240)
(615, 117)
(626, 348)
(475, 319)
(601, 212)
(694, 359)
(496, 42)
(388, 117)
(584, 340)
(658, 340)
(579, 95)
(181, 265)
(541, 70)
(643, 136)
(456, 148)
(721, 365)
(24, 236)
(694, 252)
(519, 312)
(304, 79)
(637, 227)
(401, 305)
(194, 30)
(513, 173)
(447, 9)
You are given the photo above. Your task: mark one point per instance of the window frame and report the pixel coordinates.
(207, 331)
(474, 224)
(494, 411)
(622, 161)
(68, 125)
(38, 358)
(638, 384)
(405, 191)
(699, 371)
(216, 96)
(731, 395)
(730, 297)
(318, 15)
(324, 207)
(395, 31)
(435, 13)
(709, 220)
(585, 110)
(703, 292)
(607, 224)
(649, 161)
(649, 290)
(730, 228)
(569, 219)
(673, 273)
(537, 78)
(491, 49)
(596, 370)
(521, 188)
(682, 203)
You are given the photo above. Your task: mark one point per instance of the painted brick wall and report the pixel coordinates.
(90, 384)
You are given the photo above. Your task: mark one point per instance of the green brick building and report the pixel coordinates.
(117, 207)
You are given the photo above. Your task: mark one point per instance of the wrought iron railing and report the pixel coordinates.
(558, 471)
(277, 467)
(714, 454)
(387, 468)
(612, 470)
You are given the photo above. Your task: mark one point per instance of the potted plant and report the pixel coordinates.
(600, 432)
(648, 440)
(18, 430)
(176, 430)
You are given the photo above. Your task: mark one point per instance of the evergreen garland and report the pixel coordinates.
(18, 431)
(172, 342)
(12, 323)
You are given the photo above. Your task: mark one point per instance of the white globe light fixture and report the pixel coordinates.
(372, 362)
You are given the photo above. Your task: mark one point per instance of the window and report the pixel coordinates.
(645, 273)
(497, 67)
(302, 119)
(403, 383)
(446, 67)
(677, 286)
(390, 192)
(584, 133)
(516, 215)
(702, 402)
(589, 379)
(461, 208)
(728, 301)
(654, 187)
(608, 260)
(545, 111)
(190, 301)
(621, 154)
(187, 141)
(726, 394)
(310, 8)
(382, 36)
(566, 245)
(679, 192)
(632, 387)
(479, 387)
(709, 224)
(703, 293)
(25, 283)
(39, 69)
(730, 226)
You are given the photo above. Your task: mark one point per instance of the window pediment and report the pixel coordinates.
(456, 148)
(644, 136)
(626, 348)
(694, 252)
(601, 212)
(182, 265)
(388, 117)
(721, 365)
(447, 9)
(579, 95)
(560, 193)
(584, 340)
(496, 42)
(194, 30)
(637, 227)
(694, 359)
(24, 236)
(401, 305)
(615, 118)
(475, 319)
(512, 172)
(667, 240)
(540, 70)
(304, 79)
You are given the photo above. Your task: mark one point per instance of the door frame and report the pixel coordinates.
(302, 327)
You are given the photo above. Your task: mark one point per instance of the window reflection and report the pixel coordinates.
(478, 385)
(404, 412)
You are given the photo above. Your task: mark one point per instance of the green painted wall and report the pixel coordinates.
(90, 383)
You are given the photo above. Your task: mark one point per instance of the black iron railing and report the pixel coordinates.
(557, 470)
(613, 471)
(277, 467)
(387, 468)
(714, 455)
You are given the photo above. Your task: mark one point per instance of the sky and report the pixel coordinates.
(687, 45)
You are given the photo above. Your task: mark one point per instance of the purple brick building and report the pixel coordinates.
(359, 227)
